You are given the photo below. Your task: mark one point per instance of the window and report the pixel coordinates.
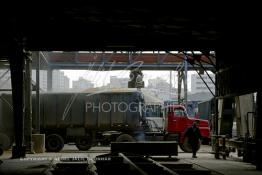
(179, 112)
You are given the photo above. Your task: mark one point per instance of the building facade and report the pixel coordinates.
(161, 89)
(198, 86)
(60, 82)
(82, 84)
(116, 82)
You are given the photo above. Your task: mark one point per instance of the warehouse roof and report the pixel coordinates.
(132, 25)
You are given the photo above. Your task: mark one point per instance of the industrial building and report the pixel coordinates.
(178, 36)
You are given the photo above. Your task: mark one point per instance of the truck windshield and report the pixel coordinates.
(179, 112)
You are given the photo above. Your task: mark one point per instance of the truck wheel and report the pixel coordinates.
(5, 142)
(83, 143)
(125, 138)
(54, 143)
(186, 147)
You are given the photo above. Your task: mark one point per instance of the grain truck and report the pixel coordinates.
(85, 119)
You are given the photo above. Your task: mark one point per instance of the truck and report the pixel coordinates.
(176, 123)
(173, 120)
(91, 118)
(85, 119)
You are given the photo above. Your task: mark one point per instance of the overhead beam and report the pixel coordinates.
(121, 66)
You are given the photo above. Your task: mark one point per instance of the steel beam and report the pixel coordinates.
(201, 65)
(204, 82)
(44, 57)
(121, 66)
(5, 73)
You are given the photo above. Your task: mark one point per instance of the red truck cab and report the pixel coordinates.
(177, 121)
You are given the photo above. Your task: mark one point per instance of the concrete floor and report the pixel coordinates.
(38, 163)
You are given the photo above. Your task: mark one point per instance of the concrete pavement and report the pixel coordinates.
(40, 163)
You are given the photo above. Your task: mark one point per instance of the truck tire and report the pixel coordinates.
(83, 143)
(186, 147)
(125, 138)
(5, 142)
(54, 143)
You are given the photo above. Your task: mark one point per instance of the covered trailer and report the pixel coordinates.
(83, 118)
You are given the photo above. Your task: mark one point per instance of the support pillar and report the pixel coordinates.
(185, 83)
(28, 104)
(179, 82)
(17, 77)
(259, 132)
(37, 107)
(170, 84)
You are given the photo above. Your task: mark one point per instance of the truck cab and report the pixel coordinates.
(176, 123)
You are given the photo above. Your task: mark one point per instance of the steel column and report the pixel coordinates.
(179, 82)
(215, 143)
(28, 103)
(258, 134)
(170, 85)
(17, 77)
(185, 82)
(37, 109)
